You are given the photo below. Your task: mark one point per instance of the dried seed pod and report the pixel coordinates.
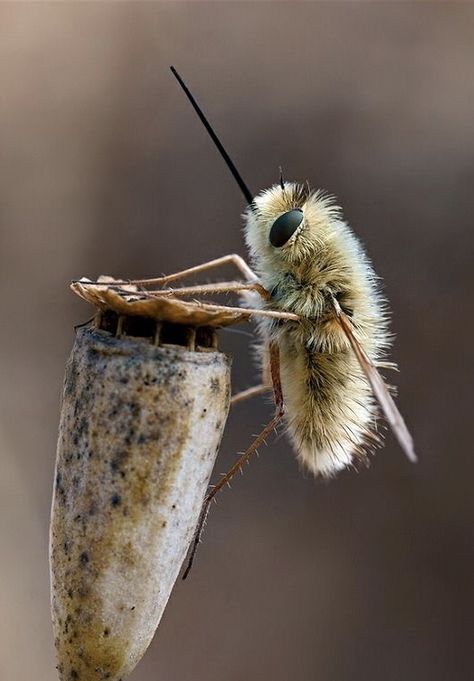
(140, 428)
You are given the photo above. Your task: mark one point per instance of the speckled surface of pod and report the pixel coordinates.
(139, 432)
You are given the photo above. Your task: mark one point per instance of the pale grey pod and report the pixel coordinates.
(140, 429)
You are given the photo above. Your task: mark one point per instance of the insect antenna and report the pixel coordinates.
(282, 179)
(230, 164)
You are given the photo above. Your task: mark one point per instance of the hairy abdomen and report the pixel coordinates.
(329, 407)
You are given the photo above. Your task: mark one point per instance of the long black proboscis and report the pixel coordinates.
(230, 164)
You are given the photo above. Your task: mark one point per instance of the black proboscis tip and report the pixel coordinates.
(230, 164)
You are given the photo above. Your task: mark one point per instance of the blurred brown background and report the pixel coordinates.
(105, 169)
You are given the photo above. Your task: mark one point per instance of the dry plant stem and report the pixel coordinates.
(140, 429)
(260, 439)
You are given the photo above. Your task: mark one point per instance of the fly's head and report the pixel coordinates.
(288, 229)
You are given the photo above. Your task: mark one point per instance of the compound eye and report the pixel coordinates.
(285, 226)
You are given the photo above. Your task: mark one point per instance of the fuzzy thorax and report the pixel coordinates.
(329, 406)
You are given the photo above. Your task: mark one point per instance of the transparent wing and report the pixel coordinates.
(380, 390)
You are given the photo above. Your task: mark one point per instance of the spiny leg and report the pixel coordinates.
(231, 259)
(81, 324)
(218, 287)
(255, 390)
(250, 312)
(250, 392)
(279, 411)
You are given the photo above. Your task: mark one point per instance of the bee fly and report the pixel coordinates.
(322, 365)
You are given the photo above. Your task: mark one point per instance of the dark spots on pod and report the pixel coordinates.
(218, 425)
(163, 524)
(204, 412)
(70, 593)
(118, 461)
(124, 380)
(116, 500)
(132, 608)
(215, 386)
(71, 377)
(82, 427)
(149, 380)
(129, 437)
(66, 624)
(61, 492)
(66, 546)
(134, 408)
(106, 631)
(84, 558)
(173, 506)
(74, 674)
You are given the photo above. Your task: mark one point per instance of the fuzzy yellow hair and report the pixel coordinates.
(330, 411)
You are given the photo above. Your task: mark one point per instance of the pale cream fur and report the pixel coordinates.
(330, 410)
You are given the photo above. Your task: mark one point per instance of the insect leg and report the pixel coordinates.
(250, 392)
(218, 287)
(251, 312)
(231, 259)
(79, 326)
(260, 439)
